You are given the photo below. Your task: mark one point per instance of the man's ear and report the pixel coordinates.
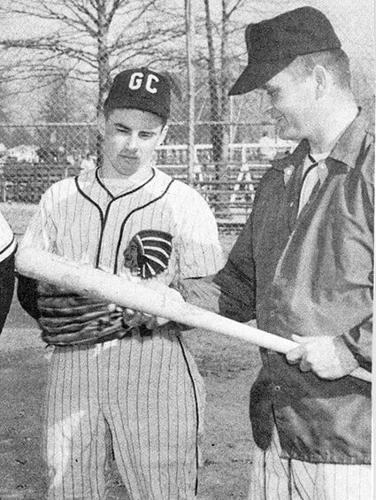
(322, 80)
(101, 123)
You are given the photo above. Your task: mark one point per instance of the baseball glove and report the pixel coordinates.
(69, 319)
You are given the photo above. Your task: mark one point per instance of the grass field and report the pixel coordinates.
(228, 367)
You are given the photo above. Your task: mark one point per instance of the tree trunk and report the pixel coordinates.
(216, 129)
(224, 78)
(104, 79)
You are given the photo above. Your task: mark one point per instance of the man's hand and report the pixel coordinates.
(134, 318)
(328, 357)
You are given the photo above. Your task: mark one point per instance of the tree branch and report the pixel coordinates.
(234, 8)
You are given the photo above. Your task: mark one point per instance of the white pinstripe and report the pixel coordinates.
(144, 389)
(275, 478)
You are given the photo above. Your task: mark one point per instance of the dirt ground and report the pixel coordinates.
(228, 366)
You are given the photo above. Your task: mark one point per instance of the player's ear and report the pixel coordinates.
(101, 123)
(162, 137)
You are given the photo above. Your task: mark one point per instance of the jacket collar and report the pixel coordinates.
(346, 149)
(294, 159)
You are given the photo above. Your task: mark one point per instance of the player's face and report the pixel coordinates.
(292, 104)
(130, 138)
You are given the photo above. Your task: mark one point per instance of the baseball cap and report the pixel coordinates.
(274, 43)
(140, 88)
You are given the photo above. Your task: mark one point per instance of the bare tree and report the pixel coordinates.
(92, 38)
(220, 35)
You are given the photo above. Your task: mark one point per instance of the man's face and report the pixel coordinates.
(130, 138)
(292, 100)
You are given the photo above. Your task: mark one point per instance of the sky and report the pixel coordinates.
(353, 20)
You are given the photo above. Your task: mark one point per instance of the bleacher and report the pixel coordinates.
(229, 186)
(27, 181)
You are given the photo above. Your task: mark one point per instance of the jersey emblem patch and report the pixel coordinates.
(148, 253)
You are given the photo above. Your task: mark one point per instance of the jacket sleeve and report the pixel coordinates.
(359, 341)
(6, 287)
(231, 291)
(7, 250)
(359, 338)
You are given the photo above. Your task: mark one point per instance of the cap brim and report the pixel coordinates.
(256, 74)
(140, 103)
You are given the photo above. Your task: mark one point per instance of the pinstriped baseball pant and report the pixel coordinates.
(148, 392)
(275, 478)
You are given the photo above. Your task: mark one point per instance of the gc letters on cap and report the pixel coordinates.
(137, 79)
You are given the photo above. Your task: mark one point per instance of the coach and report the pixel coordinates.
(303, 267)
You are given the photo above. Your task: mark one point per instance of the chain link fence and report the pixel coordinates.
(53, 85)
(45, 153)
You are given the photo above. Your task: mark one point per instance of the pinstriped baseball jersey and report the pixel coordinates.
(145, 389)
(7, 240)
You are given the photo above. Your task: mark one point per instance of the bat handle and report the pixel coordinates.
(362, 374)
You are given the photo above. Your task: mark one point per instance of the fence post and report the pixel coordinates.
(189, 25)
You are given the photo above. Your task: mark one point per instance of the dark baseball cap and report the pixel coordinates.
(274, 43)
(141, 88)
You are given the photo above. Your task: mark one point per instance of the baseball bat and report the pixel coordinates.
(98, 284)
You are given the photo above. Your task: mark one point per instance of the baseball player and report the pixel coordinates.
(7, 250)
(139, 383)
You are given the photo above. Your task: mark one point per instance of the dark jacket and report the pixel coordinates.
(309, 275)
(6, 287)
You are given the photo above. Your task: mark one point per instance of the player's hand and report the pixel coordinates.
(328, 357)
(134, 318)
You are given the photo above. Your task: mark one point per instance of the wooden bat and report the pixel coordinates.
(88, 281)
